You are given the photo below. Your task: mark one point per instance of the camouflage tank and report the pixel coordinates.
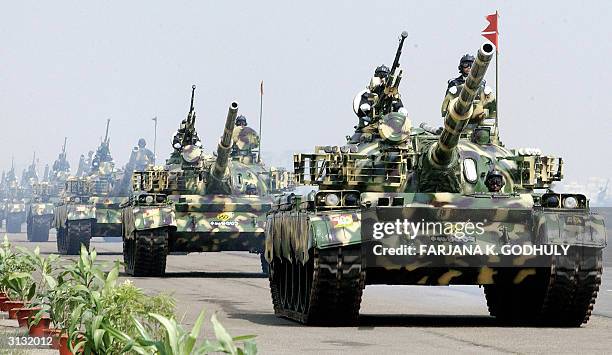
(40, 212)
(45, 195)
(89, 206)
(73, 216)
(324, 247)
(197, 202)
(14, 202)
(38, 207)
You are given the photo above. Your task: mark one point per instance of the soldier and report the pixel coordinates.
(61, 164)
(244, 141)
(486, 97)
(369, 96)
(465, 65)
(141, 156)
(452, 89)
(84, 165)
(494, 181)
(241, 121)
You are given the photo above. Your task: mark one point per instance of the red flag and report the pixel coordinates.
(261, 88)
(491, 32)
(492, 37)
(492, 27)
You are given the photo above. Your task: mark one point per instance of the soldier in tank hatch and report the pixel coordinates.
(141, 156)
(494, 181)
(244, 141)
(369, 97)
(485, 105)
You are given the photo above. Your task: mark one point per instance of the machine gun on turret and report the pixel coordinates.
(187, 134)
(391, 89)
(381, 97)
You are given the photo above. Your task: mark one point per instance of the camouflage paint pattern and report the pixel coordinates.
(40, 209)
(71, 211)
(15, 207)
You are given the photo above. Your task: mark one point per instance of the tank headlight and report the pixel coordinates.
(551, 201)
(149, 199)
(160, 198)
(331, 200)
(77, 199)
(570, 202)
(351, 199)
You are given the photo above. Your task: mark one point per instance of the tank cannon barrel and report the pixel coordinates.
(460, 108)
(225, 144)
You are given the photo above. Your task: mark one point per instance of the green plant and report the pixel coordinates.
(43, 268)
(127, 301)
(72, 298)
(21, 286)
(177, 341)
(15, 273)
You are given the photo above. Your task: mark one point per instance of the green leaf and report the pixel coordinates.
(250, 348)
(31, 292)
(171, 331)
(223, 336)
(244, 337)
(195, 331)
(112, 277)
(98, 334)
(51, 282)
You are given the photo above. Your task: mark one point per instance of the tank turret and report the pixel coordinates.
(218, 182)
(439, 164)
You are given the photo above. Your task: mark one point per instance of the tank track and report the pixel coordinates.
(13, 224)
(562, 295)
(38, 229)
(70, 238)
(326, 290)
(265, 267)
(145, 254)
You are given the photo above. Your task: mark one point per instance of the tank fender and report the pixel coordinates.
(580, 228)
(142, 218)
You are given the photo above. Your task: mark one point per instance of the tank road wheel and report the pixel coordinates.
(145, 253)
(327, 290)
(38, 229)
(13, 224)
(562, 295)
(70, 238)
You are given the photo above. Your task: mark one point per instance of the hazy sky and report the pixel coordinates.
(67, 66)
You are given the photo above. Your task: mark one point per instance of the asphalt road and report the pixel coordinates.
(394, 319)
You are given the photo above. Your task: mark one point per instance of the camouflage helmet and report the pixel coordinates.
(494, 181)
(382, 71)
(241, 121)
(142, 143)
(467, 58)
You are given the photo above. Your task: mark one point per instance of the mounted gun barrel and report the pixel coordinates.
(461, 109)
(224, 148)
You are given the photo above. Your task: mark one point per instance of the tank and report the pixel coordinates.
(197, 202)
(14, 202)
(90, 205)
(39, 206)
(393, 207)
(40, 212)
